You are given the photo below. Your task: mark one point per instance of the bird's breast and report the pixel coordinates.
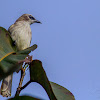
(21, 34)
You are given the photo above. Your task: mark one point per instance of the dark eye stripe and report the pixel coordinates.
(31, 17)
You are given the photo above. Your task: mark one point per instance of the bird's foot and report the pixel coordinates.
(27, 60)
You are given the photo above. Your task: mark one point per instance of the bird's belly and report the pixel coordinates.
(23, 41)
(22, 44)
(21, 34)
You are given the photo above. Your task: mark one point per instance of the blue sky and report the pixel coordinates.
(68, 43)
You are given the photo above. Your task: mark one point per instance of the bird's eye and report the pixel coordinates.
(31, 17)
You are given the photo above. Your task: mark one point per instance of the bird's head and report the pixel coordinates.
(28, 18)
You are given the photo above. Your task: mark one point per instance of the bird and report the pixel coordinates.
(21, 35)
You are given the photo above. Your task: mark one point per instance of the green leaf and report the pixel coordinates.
(28, 50)
(23, 98)
(10, 63)
(54, 91)
(37, 74)
(9, 56)
(5, 42)
(61, 93)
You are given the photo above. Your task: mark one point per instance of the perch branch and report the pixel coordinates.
(20, 83)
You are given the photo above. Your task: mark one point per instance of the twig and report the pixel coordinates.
(20, 83)
(27, 60)
(20, 89)
(25, 85)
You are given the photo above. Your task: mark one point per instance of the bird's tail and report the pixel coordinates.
(6, 86)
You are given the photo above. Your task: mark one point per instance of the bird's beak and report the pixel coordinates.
(38, 22)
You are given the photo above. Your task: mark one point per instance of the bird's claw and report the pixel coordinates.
(26, 60)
